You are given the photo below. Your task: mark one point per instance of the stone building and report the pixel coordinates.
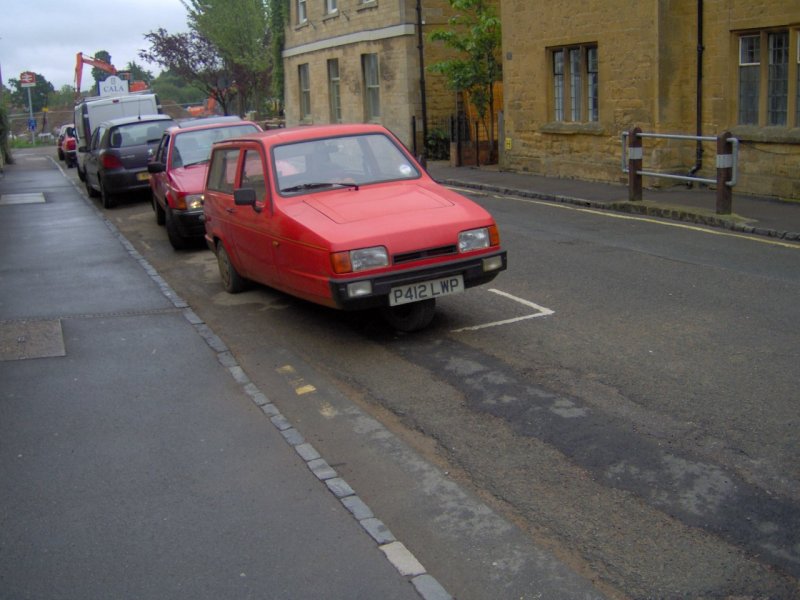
(578, 74)
(355, 61)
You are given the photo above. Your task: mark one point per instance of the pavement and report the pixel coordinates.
(137, 459)
(750, 214)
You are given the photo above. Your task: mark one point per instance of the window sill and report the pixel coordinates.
(302, 25)
(570, 128)
(330, 16)
(367, 5)
(766, 135)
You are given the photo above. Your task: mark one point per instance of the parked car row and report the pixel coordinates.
(67, 145)
(339, 215)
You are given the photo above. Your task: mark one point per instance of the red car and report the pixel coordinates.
(67, 145)
(343, 216)
(178, 174)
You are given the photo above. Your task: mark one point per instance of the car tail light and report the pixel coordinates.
(71, 145)
(110, 161)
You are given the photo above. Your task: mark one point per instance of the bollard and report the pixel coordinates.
(634, 164)
(724, 174)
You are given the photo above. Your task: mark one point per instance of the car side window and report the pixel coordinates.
(253, 174)
(161, 152)
(222, 172)
(96, 137)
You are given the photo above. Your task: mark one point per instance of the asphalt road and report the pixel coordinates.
(626, 392)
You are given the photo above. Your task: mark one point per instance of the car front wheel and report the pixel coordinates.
(160, 215)
(231, 280)
(175, 238)
(410, 317)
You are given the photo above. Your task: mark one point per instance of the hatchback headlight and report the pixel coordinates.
(360, 260)
(474, 239)
(194, 201)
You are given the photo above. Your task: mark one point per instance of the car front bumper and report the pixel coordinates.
(189, 222)
(472, 269)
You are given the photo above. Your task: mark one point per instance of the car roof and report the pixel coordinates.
(183, 123)
(310, 132)
(180, 127)
(139, 119)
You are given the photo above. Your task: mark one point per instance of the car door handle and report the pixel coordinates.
(230, 210)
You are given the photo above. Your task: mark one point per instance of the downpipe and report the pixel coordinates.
(698, 163)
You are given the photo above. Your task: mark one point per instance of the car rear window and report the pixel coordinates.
(137, 134)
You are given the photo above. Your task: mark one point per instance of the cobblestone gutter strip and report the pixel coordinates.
(643, 208)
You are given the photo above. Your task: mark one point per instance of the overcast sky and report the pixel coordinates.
(44, 36)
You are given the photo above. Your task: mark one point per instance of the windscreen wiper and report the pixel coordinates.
(316, 186)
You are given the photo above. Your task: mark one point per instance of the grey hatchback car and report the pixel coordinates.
(118, 153)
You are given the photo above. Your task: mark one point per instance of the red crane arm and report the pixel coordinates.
(80, 60)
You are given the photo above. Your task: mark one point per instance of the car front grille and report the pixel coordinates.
(421, 254)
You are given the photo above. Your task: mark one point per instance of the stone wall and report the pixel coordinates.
(647, 54)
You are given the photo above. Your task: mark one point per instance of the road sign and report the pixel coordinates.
(27, 79)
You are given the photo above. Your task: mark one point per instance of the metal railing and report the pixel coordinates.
(727, 162)
(697, 138)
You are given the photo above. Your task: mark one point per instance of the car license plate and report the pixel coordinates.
(414, 292)
(143, 176)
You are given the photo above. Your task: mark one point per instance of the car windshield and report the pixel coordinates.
(194, 147)
(353, 160)
(137, 134)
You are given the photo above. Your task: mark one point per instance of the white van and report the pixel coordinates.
(90, 112)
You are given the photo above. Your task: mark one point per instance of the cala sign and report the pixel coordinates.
(113, 86)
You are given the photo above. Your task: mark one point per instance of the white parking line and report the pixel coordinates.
(541, 311)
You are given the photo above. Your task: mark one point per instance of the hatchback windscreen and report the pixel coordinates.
(194, 147)
(137, 134)
(340, 161)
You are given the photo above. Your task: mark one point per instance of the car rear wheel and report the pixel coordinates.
(231, 280)
(175, 238)
(109, 200)
(410, 317)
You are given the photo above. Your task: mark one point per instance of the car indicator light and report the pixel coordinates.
(341, 262)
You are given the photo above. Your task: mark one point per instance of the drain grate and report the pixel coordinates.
(20, 340)
(34, 198)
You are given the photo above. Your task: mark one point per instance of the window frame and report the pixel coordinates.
(334, 91)
(574, 96)
(304, 89)
(372, 87)
(331, 7)
(776, 101)
(301, 6)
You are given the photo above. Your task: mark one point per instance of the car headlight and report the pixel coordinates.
(476, 239)
(194, 201)
(360, 260)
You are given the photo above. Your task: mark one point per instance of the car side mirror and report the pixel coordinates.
(156, 167)
(246, 197)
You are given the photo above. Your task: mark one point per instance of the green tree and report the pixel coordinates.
(240, 31)
(40, 93)
(171, 87)
(475, 33)
(278, 16)
(97, 73)
(138, 72)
